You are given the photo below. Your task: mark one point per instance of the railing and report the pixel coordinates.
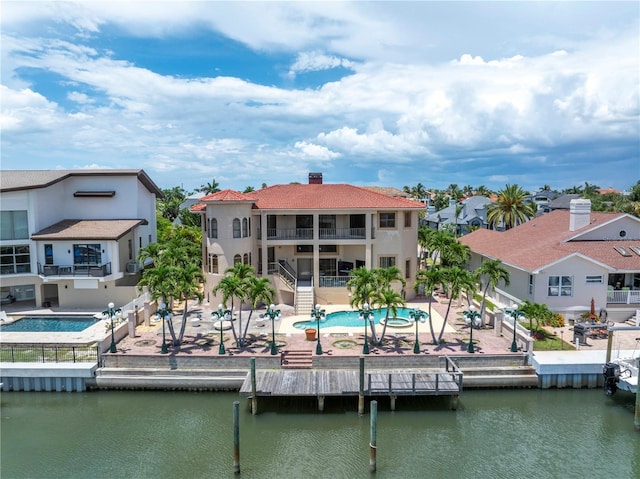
(139, 302)
(97, 271)
(629, 296)
(48, 354)
(342, 233)
(290, 233)
(333, 281)
(281, 270)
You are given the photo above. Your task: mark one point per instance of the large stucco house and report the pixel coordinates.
(70, 238)
(565, 258)
(307, 238)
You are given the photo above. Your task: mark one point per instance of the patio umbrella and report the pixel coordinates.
(593, 309)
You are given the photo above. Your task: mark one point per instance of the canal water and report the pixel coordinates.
(493, 434)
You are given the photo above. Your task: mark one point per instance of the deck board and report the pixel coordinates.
(346, 383)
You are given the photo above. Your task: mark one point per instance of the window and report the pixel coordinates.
(530, 284)
(407, 269)
(595, 279)
(387, 220)
(304, 248)
(304, 221)
(245, 228)
(560, 286)
(407, 219)
(213, 228)
(87, 254)
(327, 222)
(387, 261)
(48, 254)
(236, 228)
(245, 259)
(237, 259)
(130, 246)
(15, 259)
(14, 225)
(328, 248)
(213, 263)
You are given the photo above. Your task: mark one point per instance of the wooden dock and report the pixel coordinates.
(348, 382)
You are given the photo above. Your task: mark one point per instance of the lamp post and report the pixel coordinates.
(471, 316)
(365, 314)
(165, 313)
(319, 315)
(516, 313)
(220, 316)
(417, 315)
(274, 315)
(110, 312)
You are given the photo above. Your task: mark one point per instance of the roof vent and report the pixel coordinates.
(315, 178)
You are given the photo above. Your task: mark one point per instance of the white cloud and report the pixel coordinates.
(316, 61)
(316, 152)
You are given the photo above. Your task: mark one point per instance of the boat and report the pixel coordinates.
(621, 373)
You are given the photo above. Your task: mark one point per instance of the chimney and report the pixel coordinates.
(579, 214)
(315, 178)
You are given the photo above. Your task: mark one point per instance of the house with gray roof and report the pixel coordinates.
(70, 238)
(471, 215)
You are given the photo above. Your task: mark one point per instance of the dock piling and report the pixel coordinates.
(236, 437)
(373, 439)
(254, 388)
(361, 388)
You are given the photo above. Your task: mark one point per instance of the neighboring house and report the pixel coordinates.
(562, 202)
(565, 258)
(308, 237)
(472, 215)
(70, 238)
(191, 200)
(542, 199)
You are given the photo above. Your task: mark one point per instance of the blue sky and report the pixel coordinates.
(369, 93)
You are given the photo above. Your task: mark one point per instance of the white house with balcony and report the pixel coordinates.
(565, 258)
(308, 237)
(70, 238)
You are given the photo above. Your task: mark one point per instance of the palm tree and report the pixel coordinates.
(209, 188)
(363, 286)
(392, 300)
(259, 290)
(429, 280)
(510, 208)
(189, 280)
(458, 280)
(235, 284)
(536, 312)
(494, 272)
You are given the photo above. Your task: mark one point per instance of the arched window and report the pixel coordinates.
(246, 259)
(236, 228)
(213, 229)
(237, 259)
(245, 228)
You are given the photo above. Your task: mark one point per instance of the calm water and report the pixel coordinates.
(351, 319)
(494, 434)
(51, 324)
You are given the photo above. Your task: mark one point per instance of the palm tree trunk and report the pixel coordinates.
(384, 329)
(433, 333)
(444, 323)
(233, 327)
(246, 328)
(183, 326)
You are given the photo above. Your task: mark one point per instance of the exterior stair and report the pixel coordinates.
(304, 300)
(297, 359)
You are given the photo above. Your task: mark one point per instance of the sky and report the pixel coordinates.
(368, 93)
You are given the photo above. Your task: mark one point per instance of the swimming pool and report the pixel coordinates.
(49, 324)
(350, 319)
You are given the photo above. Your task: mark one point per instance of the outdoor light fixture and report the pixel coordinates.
(274, 315)
(319, 315)
(365, 314)
(111, 312)
(471, 317)
(417, 315)
(516, 313)
(165, 313)
(221, 315)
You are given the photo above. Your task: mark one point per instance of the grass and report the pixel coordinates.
(546, 341)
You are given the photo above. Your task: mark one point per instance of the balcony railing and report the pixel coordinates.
(623, 296)
(96, 271)
(307, 233)
(342, 233)
(333, 281)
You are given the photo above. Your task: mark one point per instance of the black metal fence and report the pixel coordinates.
(36, 353)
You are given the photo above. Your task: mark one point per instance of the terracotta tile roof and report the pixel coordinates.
(314, 196)
(544, 240)
(87, 230)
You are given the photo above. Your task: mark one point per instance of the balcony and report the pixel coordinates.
(76, 270)
(623, 296)
(307, 233)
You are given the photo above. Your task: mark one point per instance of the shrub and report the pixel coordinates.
(555, 321)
